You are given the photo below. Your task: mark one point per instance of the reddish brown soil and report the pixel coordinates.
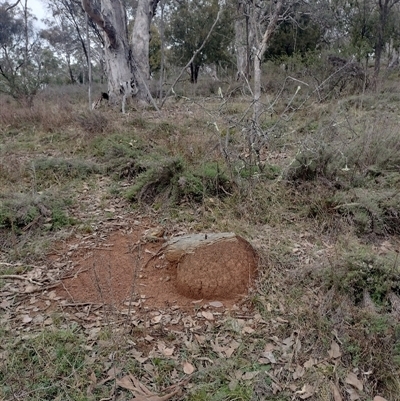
(122, 268)
(223, 269)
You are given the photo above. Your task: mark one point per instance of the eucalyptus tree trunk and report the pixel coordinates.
(162, 49)
(140, 37)
(123, 72)
(241, 39)
(89, 63)
(258, 57)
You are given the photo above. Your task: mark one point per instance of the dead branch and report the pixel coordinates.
(17, 277)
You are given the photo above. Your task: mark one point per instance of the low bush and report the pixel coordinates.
(92, 122)
(371, 211)
(50, 169)
(359, 270)
(172, 179)
(348, 154)
(21, 212)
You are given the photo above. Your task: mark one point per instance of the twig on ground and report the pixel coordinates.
(17, 277)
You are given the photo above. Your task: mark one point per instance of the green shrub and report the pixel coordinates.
(154, 180)
(21, 212)
(172, 179)
(49, 168)
(361, 270)
(351, 155)
(372, 210)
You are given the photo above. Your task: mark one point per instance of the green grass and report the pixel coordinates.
(45, 210)
(47, 365)
(54, 170)
(360, 270)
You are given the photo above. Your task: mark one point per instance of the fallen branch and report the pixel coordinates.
(17, 264)
(17, 277)
(78, 304)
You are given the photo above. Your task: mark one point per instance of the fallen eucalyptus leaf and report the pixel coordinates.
(352, 379)
(188, 368)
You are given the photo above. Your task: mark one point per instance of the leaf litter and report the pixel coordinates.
(207, 337)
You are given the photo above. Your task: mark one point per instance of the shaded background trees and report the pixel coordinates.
(23, 61)
(188, 24)
(56, 53)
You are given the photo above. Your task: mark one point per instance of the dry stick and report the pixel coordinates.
(13, 5)
(135, 275)
(75, 274)
(191, 60)
(66, 290)
(17, 264)
(17, 277)
(83, 304)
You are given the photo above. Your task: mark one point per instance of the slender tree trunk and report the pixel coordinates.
(140, 37)
(70, 73)
(262, 47)
(162, 49)
(89, 63)
(383, 11)
(194, 72)
(241, 39)
(28, 97)
(384, 8)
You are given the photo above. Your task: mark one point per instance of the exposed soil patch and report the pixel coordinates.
(128, 266)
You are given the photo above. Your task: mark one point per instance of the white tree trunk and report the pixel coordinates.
(124, 78)
(140, 37)
(261, 48)
(241, 41)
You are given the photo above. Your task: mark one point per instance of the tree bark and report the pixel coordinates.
(194, 72)
(241, 42)
(89, 60)
(140, 37)
(262, 47)
(123, 72)
(383, 14)
(112, 20)
(162, 49)
(244, 39)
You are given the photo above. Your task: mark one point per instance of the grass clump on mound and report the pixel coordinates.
(359, 272)
(51, 169)
(154, 180)
(121, 154)
(209, 179)
(172, 179)
(20, 212)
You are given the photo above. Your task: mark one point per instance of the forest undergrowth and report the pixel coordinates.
(317, 194)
